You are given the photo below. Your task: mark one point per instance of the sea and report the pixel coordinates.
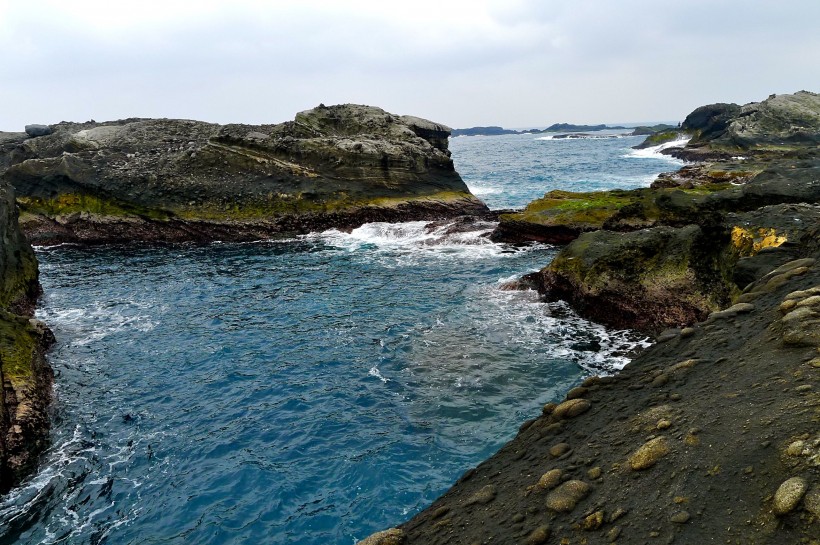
(309, 390)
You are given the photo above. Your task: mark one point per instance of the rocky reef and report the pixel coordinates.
(24, 374)
(174, 180)
(711, 434)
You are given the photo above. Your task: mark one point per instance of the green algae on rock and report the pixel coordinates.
(165, 179)
(24, 374)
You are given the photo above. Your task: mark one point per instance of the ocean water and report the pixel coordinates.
(311, 390)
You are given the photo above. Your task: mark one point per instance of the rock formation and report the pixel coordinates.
(669, 255)
(24, 374)
(164, 179)
(711, 434)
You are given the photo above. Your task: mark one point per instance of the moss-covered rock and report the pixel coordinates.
(24, 375)
(154, 178)
(648, 279)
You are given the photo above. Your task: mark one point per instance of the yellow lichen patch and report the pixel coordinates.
(749, 241)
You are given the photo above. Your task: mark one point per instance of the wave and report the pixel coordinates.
(655, 151)
(95, 322)
(409, 243)
(589, 345)
(579, 136)
(484, 190)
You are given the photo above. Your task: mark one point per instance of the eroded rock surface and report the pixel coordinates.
(166, 179)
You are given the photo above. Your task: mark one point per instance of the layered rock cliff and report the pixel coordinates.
(164, 179)
(24, 374)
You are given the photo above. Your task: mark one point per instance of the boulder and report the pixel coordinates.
(38, 130)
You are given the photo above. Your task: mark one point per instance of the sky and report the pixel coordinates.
(514, 63)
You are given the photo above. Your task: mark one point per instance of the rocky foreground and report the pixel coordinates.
(179, 180)
(711, 435)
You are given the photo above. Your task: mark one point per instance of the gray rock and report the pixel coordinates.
(38, 130)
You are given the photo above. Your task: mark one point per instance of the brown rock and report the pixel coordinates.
(789, 494)
(559, 449)
(539, 535)
(564, 498)
(648, 454)
(577, 392)
(483, 496)
(550, 479)
(393, 536)
(593, 521)
(571, 408)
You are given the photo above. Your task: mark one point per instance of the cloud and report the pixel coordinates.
(513, 62)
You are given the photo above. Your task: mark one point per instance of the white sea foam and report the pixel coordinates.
(374, 372)
(484, 190)
(97, 321)
(401, 244)
(655, 151)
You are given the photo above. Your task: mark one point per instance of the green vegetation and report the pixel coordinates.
(71, 203)
(18, 345)
(661, 137)
(575, 209)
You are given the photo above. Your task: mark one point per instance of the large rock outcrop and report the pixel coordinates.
(24, 374)
(711, 434)
(668, 255)
(165, 179)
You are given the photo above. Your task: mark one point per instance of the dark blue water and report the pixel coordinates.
(304, 391)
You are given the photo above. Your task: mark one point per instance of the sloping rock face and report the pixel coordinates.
(779, 120)
(668, 255)
(24, 374)
(164, 179)
(711, 434)
(707, 437)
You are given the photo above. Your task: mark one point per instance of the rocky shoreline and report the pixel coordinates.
(179, 180)
(710, 435)
(161, 180)
(24, 373)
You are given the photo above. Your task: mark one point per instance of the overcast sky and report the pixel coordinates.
(515, 63)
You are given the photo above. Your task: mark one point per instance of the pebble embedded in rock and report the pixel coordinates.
(571, 408)
(663, 424)
(550, 479)
(612, 534)
(593, 521)
(564, 498)
(483, 496)
(577, 392)
(594, 473)
(618, 513)
(393, 536)
(559, 449)
(649, 453)
(812, 501)
(539, 535)
(789, 494)
(681, 517)
(795, 449)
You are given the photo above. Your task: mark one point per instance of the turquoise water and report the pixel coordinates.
(311, 390)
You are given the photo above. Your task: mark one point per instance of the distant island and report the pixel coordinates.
(561, 127)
